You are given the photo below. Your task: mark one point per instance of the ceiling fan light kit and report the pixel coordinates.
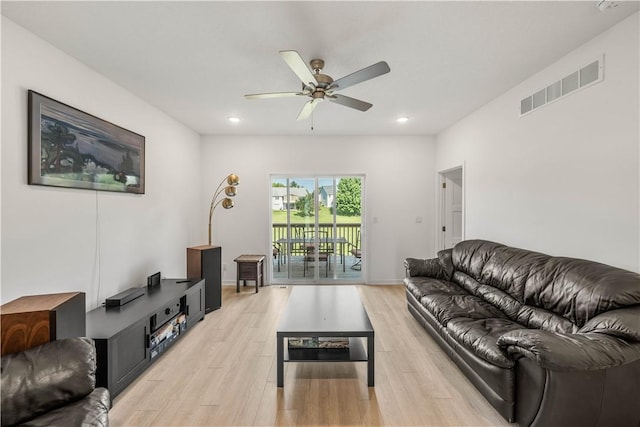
(319, 86)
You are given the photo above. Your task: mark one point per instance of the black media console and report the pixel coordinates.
(130, 337)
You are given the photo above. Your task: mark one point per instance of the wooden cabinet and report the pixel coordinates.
(205, 262)
(130, 337)
(36, 319)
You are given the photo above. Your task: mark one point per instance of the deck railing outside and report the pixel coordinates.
(348, 231)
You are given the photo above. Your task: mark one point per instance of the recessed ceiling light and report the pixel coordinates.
(402, 119)
(234, 119)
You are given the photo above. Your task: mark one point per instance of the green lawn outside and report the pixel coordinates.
(325, 216)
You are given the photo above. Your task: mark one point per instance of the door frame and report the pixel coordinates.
(441, 201)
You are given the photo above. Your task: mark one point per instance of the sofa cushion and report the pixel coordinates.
(470, 256)
(480, 336)
(446, 260)
(529, 317)
(497, 265)
(505, 302)
(574, 289)
(467, 282)
(539, 318)
(622, 323)
(46, 377)
(579, 290)
(508, 269)
(497, 297)
(446, 307)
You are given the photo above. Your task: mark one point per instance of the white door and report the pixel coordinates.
(452, 214)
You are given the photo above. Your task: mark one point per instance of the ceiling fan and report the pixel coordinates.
(320, 86)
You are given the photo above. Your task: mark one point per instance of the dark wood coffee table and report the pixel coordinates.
(325, 311)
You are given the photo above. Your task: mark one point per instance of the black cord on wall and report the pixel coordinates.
(96, 259)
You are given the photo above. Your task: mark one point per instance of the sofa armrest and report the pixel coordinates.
(92, 411)
(570, 352)
(43, 378)
(587, 379)
(425, 267)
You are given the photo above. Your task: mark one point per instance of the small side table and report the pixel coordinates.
(250, 267)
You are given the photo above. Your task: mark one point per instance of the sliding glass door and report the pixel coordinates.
(316, 228)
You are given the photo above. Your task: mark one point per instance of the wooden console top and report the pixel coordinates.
(36, 303)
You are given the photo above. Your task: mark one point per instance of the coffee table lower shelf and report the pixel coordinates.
(355, 353)
(361, 349)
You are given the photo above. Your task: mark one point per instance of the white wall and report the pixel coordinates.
(399, 186)
(564, 179)
(56, 240)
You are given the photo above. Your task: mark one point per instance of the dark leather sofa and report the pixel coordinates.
(548, 341)
(53, 385)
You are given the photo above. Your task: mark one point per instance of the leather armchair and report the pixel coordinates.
(53, 385)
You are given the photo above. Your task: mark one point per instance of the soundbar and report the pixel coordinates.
(124, 297)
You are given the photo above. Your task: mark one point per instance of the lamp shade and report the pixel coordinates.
(230, 190)
(227, 203)
(233, 179)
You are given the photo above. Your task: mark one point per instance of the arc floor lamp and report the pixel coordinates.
(232, 180)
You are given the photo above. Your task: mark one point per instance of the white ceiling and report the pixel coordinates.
(196, 60)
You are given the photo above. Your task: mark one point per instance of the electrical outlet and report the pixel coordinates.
(224, 266)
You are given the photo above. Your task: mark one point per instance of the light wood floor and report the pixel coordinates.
(222, 373)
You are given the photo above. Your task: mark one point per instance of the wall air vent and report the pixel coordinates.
(584, 77)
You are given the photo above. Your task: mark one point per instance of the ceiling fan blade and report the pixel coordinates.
(273, 95)
(359, 76)
(308, 108)
(295, 62)
(350, 102)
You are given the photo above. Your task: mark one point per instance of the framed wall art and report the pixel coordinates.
(73, 149)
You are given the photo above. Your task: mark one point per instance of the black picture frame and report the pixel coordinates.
(73, 149)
